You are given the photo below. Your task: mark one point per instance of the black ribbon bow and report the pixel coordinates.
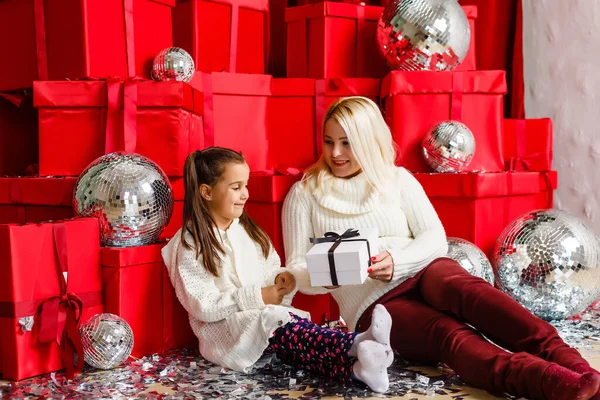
(336, 239)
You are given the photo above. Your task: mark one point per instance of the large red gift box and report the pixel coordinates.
(528, 144)
(46, 270)
(224, 35)
(138, 289)
(291, 119)
(478, 206)
(264, 206)
(18, 133)
(235, 113)
(332, 40)
(60, 39)
(87, 119)
(413, 102)
(35, 199)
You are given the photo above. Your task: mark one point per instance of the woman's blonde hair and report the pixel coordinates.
(370, 140)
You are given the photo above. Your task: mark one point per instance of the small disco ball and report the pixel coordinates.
(471, 258)
(549, 262)
(173, 64)
(107, 341)
(430, 35)
(129, 194)
(449, 146)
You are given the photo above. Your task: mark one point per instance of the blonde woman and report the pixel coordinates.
(432, 299)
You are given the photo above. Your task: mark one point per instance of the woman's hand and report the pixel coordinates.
(286, 281)
(382, 267)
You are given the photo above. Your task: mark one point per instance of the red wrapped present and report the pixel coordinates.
(235, 113)
(331, 40)
(18, 132)
(176, 221)
(329, 90)
(35, 199)
(414, 102)
(528, 144)
(69, 39)
(159, 120)
(51, 276)
(223, 35)
(478, 206)
(264, 206)
(134, 288)
(291, 114)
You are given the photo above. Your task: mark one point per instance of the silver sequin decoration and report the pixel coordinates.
(107, 341)
(173, 64)
(548, 261)
(129, 194)
(431, 35)
(449, 146)
(471, 258)
(26, 324)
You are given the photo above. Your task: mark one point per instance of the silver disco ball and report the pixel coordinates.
(173, 64)
(129, 194)
(471, 258)
(549, 262)
(449, 146)
(107, 341)
(430, 35)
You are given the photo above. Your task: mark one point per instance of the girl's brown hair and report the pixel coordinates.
(206, 167)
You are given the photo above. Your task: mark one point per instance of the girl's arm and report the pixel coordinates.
(273, 268)
(429, 240)
(297, 229)
(197, 292)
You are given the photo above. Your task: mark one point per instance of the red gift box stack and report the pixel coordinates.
(266, 71)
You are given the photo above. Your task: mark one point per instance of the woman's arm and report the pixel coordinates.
(297, 229)
(429, 240)
(196, 290)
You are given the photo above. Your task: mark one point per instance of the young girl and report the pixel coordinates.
(228, 277)
(433, 301)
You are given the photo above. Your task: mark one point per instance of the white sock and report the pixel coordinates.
(371, 367)
(381, 325)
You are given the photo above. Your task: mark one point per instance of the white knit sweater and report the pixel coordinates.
(227, 313)
(409, 229)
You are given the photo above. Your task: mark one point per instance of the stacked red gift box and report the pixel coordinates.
(266, 71)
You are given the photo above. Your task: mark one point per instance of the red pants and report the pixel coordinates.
(430, 313)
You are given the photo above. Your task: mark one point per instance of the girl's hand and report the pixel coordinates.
(286, 281)
(273, 294)
(382, 268)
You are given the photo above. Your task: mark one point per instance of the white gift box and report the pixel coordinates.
(351, 259)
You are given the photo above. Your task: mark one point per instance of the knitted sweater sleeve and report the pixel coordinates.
(429, 238)
(196, 290)
(297, 229)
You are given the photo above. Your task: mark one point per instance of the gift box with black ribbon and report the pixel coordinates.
(341, 258)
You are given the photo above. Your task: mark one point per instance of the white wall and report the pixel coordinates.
(561, 48)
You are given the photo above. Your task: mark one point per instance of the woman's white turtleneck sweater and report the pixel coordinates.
(409, 229)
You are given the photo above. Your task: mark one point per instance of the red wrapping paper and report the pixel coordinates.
(224, 35)
(18, 133)
(264, 206)
(415, 101)
(330, 40)
(68, 39)
(29, 259)
(86, 117)
(235, 113)
(528, 144)
(291, 114)
(478, 206)
(135, 289)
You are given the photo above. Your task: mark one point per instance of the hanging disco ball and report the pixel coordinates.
(430, 35)
(107, 341)
(129, 194)
(471, 258)
(549, 262)
(173, 64)
(449, 146)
